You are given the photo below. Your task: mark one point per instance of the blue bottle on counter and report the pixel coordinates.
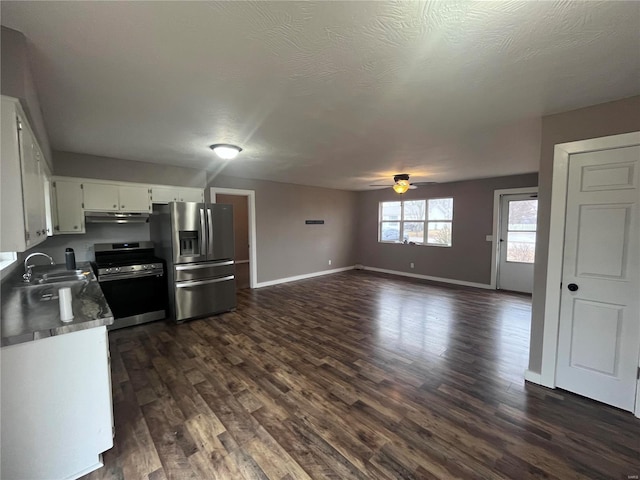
(70, 259)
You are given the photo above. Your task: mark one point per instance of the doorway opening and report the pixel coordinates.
(514, 239)
(244, 222)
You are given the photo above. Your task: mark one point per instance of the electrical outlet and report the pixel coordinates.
(329, 262)
(411, 265)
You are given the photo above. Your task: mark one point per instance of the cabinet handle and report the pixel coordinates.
(115, 206)
(57, 227)
(39, 233)
(121, 206)
(75, 227)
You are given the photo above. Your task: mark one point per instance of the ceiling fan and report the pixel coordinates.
(401, 183)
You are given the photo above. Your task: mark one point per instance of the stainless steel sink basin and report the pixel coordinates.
(59, 277)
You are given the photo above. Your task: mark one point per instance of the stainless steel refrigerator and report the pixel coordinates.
(196, 240)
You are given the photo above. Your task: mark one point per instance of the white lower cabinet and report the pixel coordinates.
(56, 408)
(69, 216)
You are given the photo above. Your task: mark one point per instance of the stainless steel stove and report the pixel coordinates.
(133, 281)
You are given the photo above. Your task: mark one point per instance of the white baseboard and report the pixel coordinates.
(532, 377)
(301, 277)
(433, 279)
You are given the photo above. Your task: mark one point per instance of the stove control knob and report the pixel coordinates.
(145, 267)
(108, 270)
(116, 269)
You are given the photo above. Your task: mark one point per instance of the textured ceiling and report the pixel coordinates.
(334, 94)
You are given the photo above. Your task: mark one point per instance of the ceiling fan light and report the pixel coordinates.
(401, 186)
(226, 151)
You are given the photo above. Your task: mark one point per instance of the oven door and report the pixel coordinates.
(135, 300)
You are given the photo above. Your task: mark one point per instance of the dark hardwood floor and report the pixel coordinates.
(354, 375)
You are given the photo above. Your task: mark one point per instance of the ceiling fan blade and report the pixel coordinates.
(423, 184)
(378, 185)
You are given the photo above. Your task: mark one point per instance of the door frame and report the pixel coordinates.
(251, 200)
(561, 154)
(497, 221)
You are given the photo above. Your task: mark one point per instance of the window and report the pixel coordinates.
(521, 231)
(6, 259)
(410, 221)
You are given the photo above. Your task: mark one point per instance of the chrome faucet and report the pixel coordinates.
(27, 267)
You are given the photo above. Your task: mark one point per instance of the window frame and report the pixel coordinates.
(7, 259)
(401, 221)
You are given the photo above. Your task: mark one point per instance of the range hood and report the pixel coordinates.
(115, 217)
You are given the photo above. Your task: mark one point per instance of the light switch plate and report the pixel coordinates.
(489, 238)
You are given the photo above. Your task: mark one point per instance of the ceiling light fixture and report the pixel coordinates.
(401, 186)
(226, 151)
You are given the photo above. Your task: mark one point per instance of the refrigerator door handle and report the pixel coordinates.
(204, 282)
(203, 232)
(210, 233)
(203, 265)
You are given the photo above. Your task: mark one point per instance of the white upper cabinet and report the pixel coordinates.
(24, 214)
(67, 207)
(135, 199)
(100, 197)
(105, 197)
(166, 194)
(71, 197)
(192, 195)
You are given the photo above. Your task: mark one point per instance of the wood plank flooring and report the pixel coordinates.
(354, 376)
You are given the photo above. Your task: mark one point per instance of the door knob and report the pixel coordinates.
(572, 287)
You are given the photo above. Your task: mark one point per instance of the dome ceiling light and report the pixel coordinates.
(225, 151)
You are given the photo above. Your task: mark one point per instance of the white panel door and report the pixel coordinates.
(518, 218)
(599, 336)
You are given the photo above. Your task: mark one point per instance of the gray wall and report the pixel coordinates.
(104, 168)
(612, 118)
(16, 81)
(468, 259)
(287, 247)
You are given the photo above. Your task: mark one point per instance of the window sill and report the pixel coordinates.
(417, 244)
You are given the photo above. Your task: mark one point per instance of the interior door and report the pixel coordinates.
(599, 335)
(518, 218)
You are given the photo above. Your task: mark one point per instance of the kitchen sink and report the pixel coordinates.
(59, 277)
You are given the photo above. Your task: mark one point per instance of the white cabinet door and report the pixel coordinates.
(70, 217)
(134, 199)
(104, 197)
(23, 217)
(32, 188)
(100, 197)
(55, 405)
(177, 194)
(192, 195)
(165, 194)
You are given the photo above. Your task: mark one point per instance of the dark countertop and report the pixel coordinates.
(32, 312)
